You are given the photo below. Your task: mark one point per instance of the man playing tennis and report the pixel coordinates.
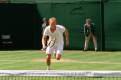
(56, 42)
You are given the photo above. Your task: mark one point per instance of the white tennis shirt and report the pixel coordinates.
(57, 35)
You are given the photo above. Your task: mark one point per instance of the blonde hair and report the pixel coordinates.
(52, 18)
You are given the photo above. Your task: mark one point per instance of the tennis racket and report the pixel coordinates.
(51, 43)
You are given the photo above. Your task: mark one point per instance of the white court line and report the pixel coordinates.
(76, 61)
(13, 60)
(63, 61)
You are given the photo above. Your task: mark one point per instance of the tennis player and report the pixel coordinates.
(55, 43)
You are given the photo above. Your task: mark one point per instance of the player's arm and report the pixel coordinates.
(67, 37)
(44, 41)
(44, 38)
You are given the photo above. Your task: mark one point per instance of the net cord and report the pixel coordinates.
(60, 73)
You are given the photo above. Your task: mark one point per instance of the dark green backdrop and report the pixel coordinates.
(72, 15)
(112, 21)
(23, 18)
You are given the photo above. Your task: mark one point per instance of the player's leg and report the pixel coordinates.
(59, 52)
(48, 59)
(95, 42)
(87, 38)
(58, 56)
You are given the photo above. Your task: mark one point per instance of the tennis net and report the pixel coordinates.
(59, 75)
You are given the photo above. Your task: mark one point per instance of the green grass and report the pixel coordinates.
(56, 78)
(71, 60)
(89, 60)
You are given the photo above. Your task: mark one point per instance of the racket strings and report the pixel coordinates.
(51, 43)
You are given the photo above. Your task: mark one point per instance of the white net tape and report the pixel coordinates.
(60, 73)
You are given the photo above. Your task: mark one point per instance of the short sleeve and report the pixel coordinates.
(62, 28)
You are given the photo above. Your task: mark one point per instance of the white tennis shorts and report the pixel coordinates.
(58, 49)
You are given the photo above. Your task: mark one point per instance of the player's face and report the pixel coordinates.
(52, 23)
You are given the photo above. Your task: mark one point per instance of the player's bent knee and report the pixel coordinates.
(58, 57)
